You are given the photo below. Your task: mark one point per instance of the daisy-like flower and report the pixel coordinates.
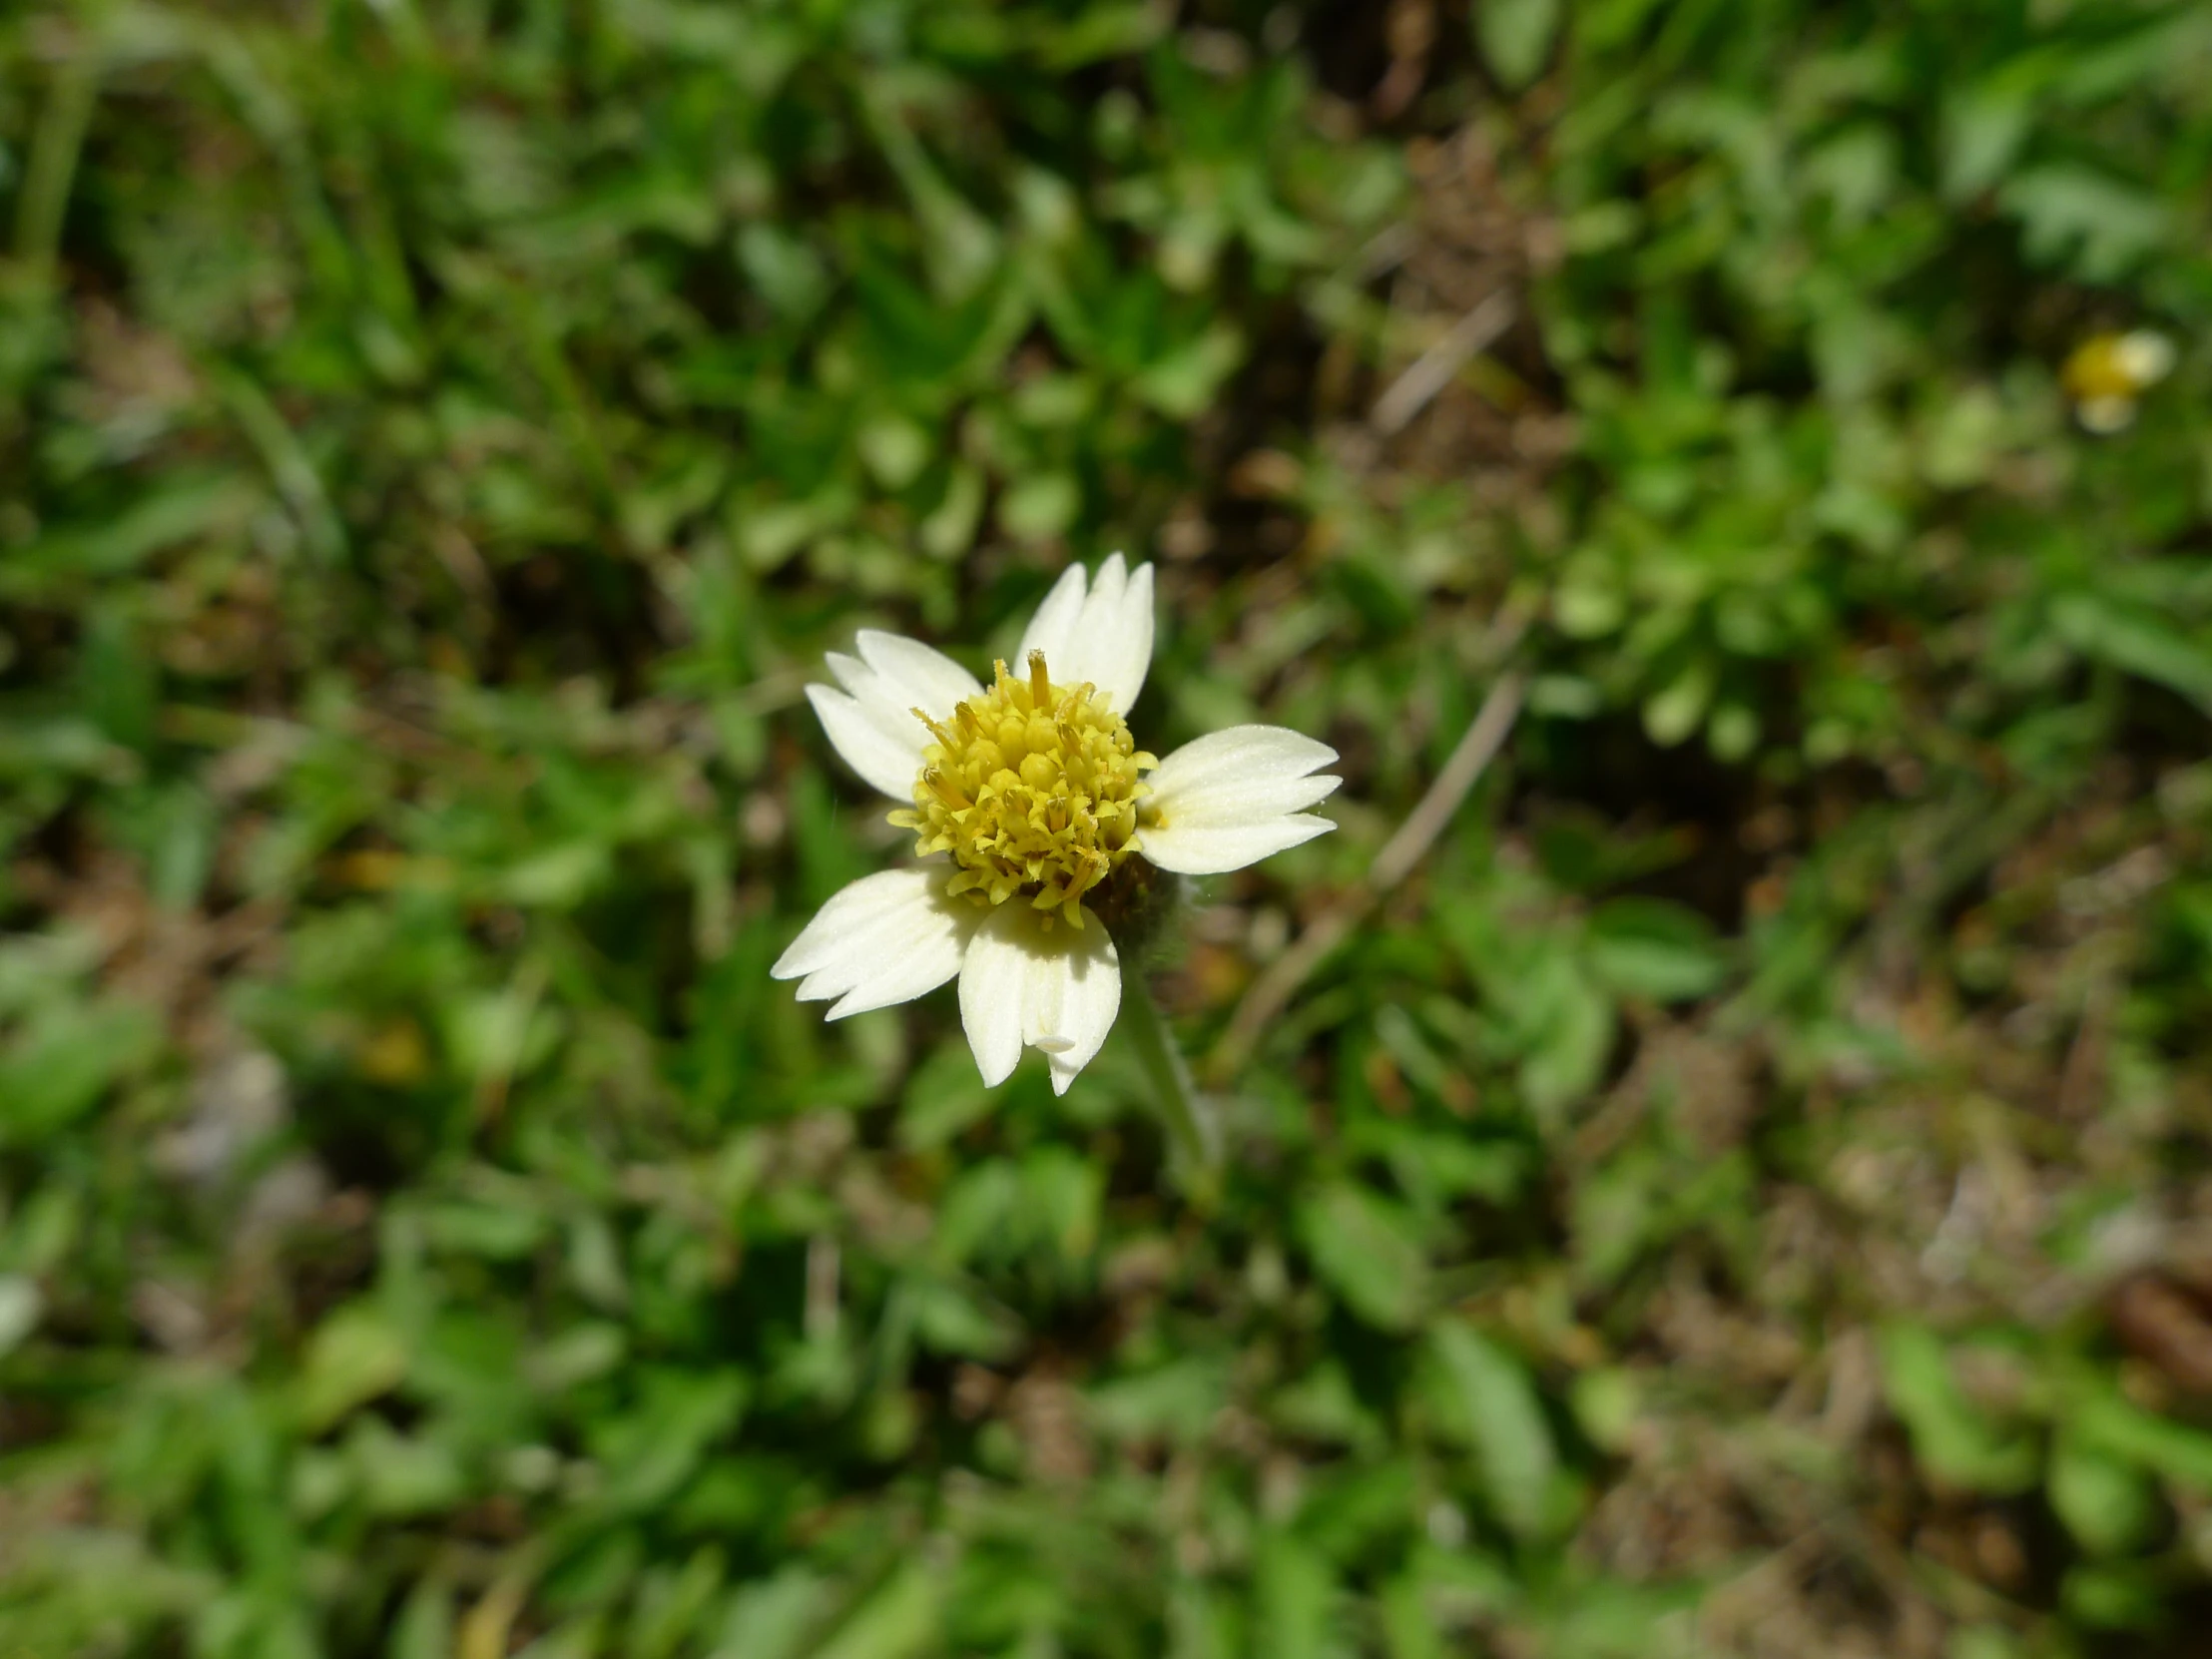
(1038, 823)
(2107, 374)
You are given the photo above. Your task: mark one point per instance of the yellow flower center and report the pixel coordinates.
(2111, 367)
(1033, 789)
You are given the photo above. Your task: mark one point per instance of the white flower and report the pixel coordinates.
(1029, 799)
(2107, 374)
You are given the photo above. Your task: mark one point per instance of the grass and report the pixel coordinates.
(1744, 1191)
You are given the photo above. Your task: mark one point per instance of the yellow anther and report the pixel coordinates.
(1033, 789)
(945, 789)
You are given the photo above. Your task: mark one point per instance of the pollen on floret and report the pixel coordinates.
(1032, 787)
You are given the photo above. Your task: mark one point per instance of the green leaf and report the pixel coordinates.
(961, 1322)
(1176, 1401)
(424, 1627)
(355, 1355)
(1617, 1213)
(785, 273)
(1671, 713)
(401, 1476)
(60, 1065)
(1296, 1595)
(1985, 1641)
(1516, 37)
(895, 448)
(1487, 1401)
(1569, 1032)
(671, 1604)
(187, 505)
(774, 1618)
(896, 1622)
(944, 1097)
(2108, 1504)
(1367, 1251)
(1607, 1403)
(63, 1063)
(2136, 640)
(2110, 1423)
(1955, 1438)
(2114, 1595)
(1651, 949)
(2097, 226)
(1041, 506)
(1984, 126)
(1182, 383)
(660, 1446)
(1411, 1629)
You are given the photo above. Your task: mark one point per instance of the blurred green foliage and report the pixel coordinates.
(1748, 1194)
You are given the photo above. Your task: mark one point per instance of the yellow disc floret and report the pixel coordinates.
(1033, 789)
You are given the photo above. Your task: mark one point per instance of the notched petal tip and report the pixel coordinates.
(1053, 625)
(920, 673)
(1235, 797)
(869, 721)
(1219, 849)
(884, 939)
(1023, 985)
(1097, 627)
(869, 740)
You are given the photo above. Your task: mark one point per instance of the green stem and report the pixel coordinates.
(1194, 1138)
(55, 144)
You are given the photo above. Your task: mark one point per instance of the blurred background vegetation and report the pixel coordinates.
(1748, 1193)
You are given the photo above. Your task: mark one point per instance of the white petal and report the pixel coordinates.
(1217, 850)
(887, 759)
(1117, 644)
(1055, 991)
(1053, 626)
(1103, 636)
(882, 939)
(1234, 797)
(872, 722)
(922, 675)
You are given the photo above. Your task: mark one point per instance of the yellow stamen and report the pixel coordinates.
(945, 789)
(1033, 789)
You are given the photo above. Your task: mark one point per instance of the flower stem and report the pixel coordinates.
(1194, 1137)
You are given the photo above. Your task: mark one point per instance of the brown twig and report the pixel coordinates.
(1432, 370)
(1273, 991)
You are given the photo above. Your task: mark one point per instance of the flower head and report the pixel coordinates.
(2106, 374)
(1033, 811)
(1032, 787)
